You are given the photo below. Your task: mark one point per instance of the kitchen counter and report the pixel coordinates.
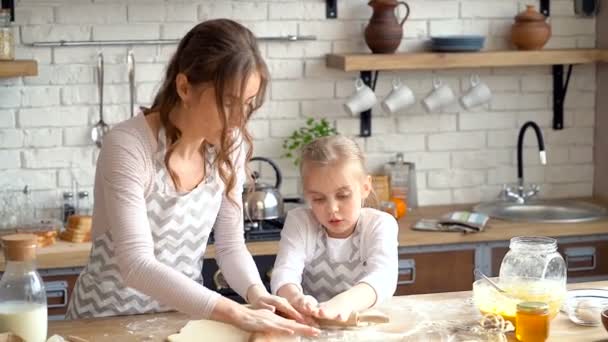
(67, 255)
(440, 308)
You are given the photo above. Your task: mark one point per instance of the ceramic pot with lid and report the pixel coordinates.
(530, 30)
(263, 201)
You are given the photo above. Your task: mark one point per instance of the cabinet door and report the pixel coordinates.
(584, 259)
(435, 272)
(58, 292)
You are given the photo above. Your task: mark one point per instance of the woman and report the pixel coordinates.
(164, 179)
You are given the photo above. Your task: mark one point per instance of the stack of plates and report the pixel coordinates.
(457, 43)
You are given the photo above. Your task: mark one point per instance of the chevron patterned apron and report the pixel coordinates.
(324, 278)
(180, 224)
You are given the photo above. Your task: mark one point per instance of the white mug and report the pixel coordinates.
(441, 96)
(478, 94)
(362, 99)
(400, 97)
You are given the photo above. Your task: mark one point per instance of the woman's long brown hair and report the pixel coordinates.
(224, 54)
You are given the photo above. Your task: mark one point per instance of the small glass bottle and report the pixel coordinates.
(532, 322)
(84, 204)
(69, 208)
(402, 177)
(7, 39)
(23, 306)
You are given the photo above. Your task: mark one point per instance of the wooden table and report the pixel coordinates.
(444, 307)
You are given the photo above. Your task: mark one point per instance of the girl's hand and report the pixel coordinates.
(305, 304)
(334, 310)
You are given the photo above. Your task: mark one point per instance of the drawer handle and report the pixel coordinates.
(407, 267)
(583, 258)
(57, 289)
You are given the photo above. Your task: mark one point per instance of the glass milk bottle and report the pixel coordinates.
(23, 309)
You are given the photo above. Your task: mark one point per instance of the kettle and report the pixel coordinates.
(263, 201)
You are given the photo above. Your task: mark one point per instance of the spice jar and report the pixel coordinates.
(7, 40)
(532, 322)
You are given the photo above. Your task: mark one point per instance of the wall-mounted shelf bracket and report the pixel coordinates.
(366, 116)
(545, 7)
(559, 94)
(332, 9)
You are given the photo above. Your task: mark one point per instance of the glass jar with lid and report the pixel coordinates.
(534, 271)
(7, 38)
(23, 306)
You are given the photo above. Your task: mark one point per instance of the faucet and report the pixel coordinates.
(521, 195)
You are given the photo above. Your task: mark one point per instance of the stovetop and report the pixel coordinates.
(266, 230)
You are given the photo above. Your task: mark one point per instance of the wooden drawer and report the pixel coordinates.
(584, 259)
(58, 292)
(435, 272)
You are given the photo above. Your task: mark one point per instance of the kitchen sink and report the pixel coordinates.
(549, 211)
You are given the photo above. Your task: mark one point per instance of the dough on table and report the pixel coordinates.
(206, 330)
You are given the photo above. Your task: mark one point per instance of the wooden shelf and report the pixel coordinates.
(432, 60)
(18, 68)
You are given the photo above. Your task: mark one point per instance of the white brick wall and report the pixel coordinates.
(460, 155)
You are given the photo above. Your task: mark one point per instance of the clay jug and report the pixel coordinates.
(384, 32)
(530, 30)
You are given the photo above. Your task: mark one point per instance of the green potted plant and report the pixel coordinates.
(314, 129)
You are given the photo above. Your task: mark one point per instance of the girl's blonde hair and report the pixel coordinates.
(335, 149)
(332, 149)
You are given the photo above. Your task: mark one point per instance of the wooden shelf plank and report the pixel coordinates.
(432, 60)
(18, 68)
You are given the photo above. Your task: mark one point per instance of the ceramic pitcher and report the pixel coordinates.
(384, 32)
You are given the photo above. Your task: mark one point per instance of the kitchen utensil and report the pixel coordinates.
(457, 43)
(101, 128)
(478, 273)
(357, 319)
(384, 32)
(584, 306)
(479, 93)
(440, 97)
(131, 72)
(263, 201)
(362, 99)
(400, 97)
(530, 30)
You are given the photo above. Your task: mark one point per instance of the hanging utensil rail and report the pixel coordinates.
(65, 43)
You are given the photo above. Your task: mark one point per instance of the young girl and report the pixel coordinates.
(335, 251)
(166, 177)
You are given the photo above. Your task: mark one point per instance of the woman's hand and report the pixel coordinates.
(263, 320)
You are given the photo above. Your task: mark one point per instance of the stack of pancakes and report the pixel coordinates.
(78, 229)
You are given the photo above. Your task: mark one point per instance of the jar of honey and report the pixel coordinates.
(532, 322)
